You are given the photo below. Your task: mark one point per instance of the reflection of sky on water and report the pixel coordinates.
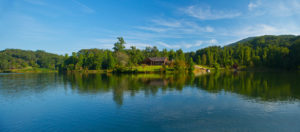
(155, 103)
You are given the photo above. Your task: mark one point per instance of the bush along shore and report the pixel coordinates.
(29, 70)
(136, 69)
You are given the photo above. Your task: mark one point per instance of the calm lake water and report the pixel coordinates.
(243, 101)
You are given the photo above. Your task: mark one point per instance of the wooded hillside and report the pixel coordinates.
(261, 52)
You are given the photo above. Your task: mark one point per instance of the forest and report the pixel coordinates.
(276, 52)
(19, 59)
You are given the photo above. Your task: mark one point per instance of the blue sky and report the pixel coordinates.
(64, 26)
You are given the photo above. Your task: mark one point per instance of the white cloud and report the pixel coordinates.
(198, 43)
(188, 45)
(153, 29)
(209, 29)
(253, 5)
(176, 27)
(26, 27)
(108, 43)
(168, 45)
(206, 13)
(137, 45)
(260, 29)
(286, 8)
(275, 7)
(192, 27)
(205, 43)
(264, 29)
(213, 41)
(141, 35)
(84, 7)
(166, 23)
(104, 43)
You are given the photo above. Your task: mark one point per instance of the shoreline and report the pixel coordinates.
(149, 71)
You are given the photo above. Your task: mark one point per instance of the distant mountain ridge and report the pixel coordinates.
(18, 59)
(265, 40)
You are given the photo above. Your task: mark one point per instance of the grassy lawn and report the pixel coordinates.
(148, 68)
(91, 71)
(31, 70)
(206, 67)
(143, 76)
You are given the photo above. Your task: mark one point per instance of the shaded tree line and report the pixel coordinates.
(264, 51)
(258, 52)
(121, 58)
(18, 59)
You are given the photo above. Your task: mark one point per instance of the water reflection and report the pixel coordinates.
(258, 86)
(120, 84)
(263, 86)
(17, 85)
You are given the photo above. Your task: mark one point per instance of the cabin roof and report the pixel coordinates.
(157, 58)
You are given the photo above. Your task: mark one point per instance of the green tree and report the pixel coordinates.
(164, 53)
(155, 52)
(204, 59)
(210, 57)
(199, 60)
(179, 65)
(111, 61)
(180, 55)
(191, 64)
(122, 59)
(172, 55)
(120, 45)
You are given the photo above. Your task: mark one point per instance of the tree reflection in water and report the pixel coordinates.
(253, 85)
(263, 86)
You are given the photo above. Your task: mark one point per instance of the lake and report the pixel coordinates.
(223, 101)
